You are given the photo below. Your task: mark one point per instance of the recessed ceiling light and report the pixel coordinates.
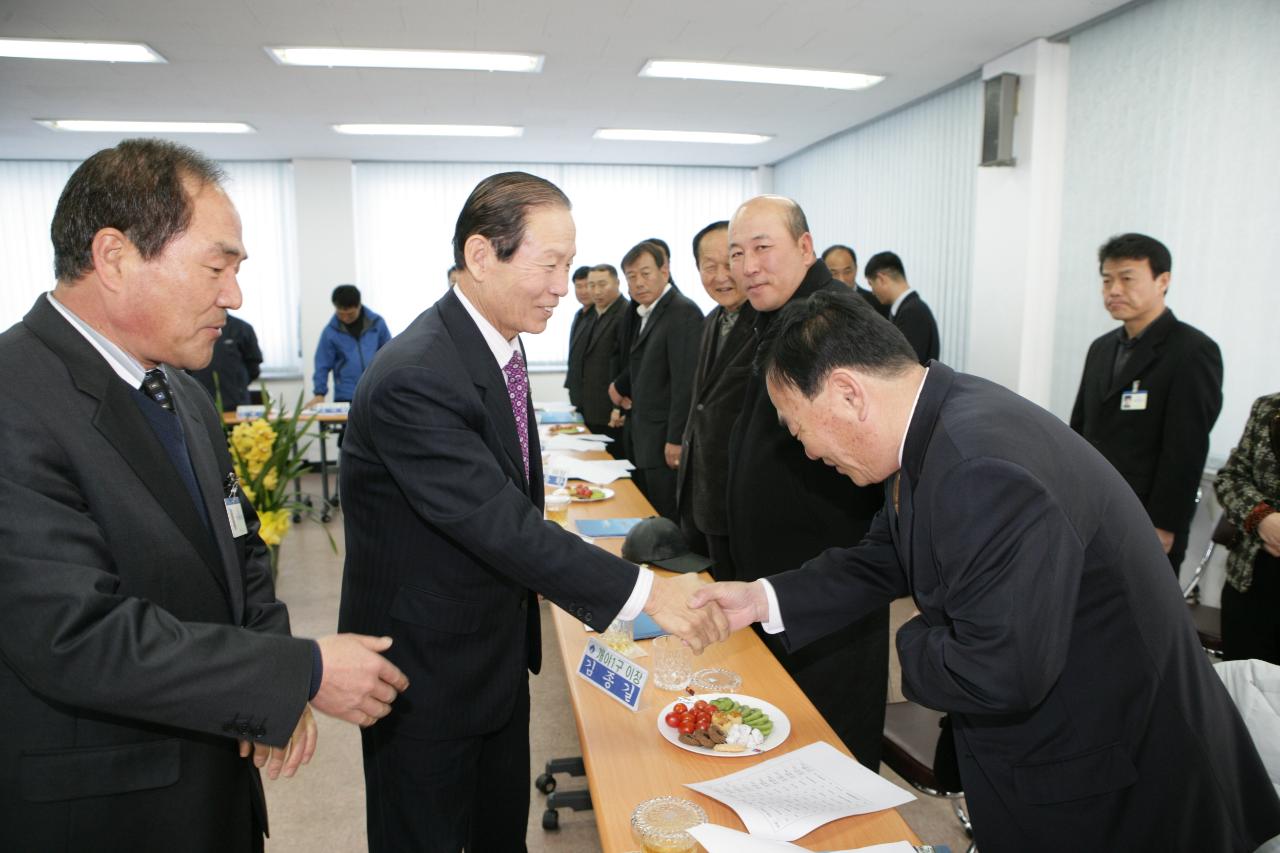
(681, 136)
(758, 74)
(84, 51)
(430, 129)
(445, 60)
(146, 126)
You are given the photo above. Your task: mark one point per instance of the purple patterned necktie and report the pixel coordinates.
(518, 391)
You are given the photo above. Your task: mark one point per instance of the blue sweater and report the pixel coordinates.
(346, 355)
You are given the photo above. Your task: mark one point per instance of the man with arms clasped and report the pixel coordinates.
(144, 655)
(602, 356)
(1086, 716)
(446, 544)
(719, 385)
(783, 508)
(1151, 390)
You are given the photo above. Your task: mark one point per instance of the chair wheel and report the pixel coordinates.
(550, 819)
(546, 783)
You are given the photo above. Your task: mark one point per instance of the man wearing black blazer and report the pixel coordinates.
(1151, 390)
(658, 379)
(785, 508)
(579, 331)
(719, 385)
(1085, 715)
(888, 280)
(602, 355)
(144, 656)
(446, 544)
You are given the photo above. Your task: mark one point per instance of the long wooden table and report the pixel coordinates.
(627, 761)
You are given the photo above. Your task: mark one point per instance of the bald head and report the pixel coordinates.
(770, 250)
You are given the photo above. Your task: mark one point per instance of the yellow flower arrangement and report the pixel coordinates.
(268, 453)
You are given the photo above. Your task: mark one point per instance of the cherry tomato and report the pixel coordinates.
(687, 718)
(686, 728)
(700, 705)
(679, 708)
(672, 720)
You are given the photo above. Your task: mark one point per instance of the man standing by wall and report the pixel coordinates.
(347, 346)
(579, 333)
(888, 280)
(719, 385)
(785, 508)
(1151, 390)
(446, 544)
(142, 636)
(602, 358)
(658, 379)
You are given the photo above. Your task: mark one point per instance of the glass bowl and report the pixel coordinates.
(660, 825)
(715, 681)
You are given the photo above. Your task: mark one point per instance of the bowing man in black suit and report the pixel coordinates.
(446, 544)
(144, 655)
(658, 379)
(579, 333)
(1085, 715)
(1151, 390)
(905, 308)
(719, 386)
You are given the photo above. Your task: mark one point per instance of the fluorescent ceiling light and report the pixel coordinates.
(447, 60)
(681, 136)
(430, 129)
(146, 126)
(85, 51)
(758, 74)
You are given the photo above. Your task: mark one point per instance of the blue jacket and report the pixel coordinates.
(347, 356)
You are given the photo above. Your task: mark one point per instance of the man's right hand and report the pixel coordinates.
(314, 401)
(668, 604)
(741, 603)
(358, 684)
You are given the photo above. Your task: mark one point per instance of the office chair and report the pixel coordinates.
(912, 734)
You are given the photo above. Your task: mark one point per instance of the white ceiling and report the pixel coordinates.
(217, 70)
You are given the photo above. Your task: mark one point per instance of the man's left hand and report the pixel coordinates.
(1166, 539)
(672, 453)
(286, 759)
(668, 604)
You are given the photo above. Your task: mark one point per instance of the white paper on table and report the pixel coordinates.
(573, 442)
(602, 471)
(792, 795)
(722, 839)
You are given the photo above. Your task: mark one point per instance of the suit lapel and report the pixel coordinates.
(658, 308)
(1146, 351)
(208, 476)
(937, 385)
(479, 362)
(739, 336)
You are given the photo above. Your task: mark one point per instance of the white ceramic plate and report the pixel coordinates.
(781, 725)
(608, 493)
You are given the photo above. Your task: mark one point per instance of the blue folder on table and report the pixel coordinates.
(645, 628)
(602, 527)
(559, 418)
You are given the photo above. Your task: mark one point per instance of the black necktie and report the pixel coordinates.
(155, 386)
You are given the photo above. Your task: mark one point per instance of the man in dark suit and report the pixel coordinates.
(1151, 390)
(888, 280)
(579, 332)
(1086, 716)
(144, 655)
(602, 356)
(784, 508)
(843, 263)
(446, 544)
(236, 362)
(719, 385)
(658, 379)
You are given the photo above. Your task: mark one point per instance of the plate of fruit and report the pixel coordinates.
(725, 725)
(566, 429)
(586, 493)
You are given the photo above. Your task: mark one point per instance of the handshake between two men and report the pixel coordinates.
(702, 613)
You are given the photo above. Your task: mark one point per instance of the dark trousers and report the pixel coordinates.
(709, 544)
(846, 677)
(1250, 621)
(439, 796)
(658, 485)
(614, 448)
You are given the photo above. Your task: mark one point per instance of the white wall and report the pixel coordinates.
(1173, 131)
(903, 183)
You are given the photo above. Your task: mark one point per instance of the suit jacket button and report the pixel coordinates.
(587, 617)
(261, 732)
(701, 407)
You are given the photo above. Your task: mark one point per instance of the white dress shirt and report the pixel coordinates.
(643, 311)
(893, 309)
(125, 366)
